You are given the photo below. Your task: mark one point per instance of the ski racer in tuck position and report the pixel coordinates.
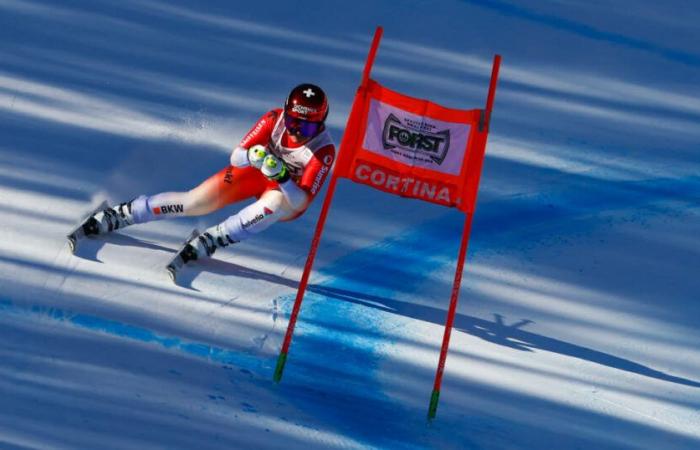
(282, 161)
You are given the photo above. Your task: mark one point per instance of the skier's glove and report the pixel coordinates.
(275, 169)
(256, 155)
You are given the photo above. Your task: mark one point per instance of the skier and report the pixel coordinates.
(282, 161)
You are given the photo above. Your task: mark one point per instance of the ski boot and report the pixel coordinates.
(197, 247)
(109, 219)
(102, 221)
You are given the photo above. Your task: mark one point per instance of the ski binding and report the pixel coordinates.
(176, 262)
(77, 233)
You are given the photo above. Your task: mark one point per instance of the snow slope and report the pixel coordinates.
(577, 325)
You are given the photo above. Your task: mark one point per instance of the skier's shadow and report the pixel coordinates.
(497, 331)
(186, 276)
(88, 248)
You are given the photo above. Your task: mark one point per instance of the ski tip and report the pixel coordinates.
(72, 243)
(172, 273)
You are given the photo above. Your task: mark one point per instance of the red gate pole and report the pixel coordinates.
(492, 89)
(349, 138)
(450, 315)
(432, 410)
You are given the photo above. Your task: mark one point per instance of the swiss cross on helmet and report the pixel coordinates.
(307, 102)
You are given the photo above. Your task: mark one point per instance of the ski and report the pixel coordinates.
(77, 234)
(176, 262)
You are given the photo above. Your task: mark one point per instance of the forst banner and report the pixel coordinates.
(413, 148)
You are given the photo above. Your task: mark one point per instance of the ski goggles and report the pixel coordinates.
(301, 127)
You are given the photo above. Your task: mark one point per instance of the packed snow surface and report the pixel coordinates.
(577, 325)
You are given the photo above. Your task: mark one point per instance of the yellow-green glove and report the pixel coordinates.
(275, 169)
(256, 155)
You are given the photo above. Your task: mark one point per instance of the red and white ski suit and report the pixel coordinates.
(308, 163)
